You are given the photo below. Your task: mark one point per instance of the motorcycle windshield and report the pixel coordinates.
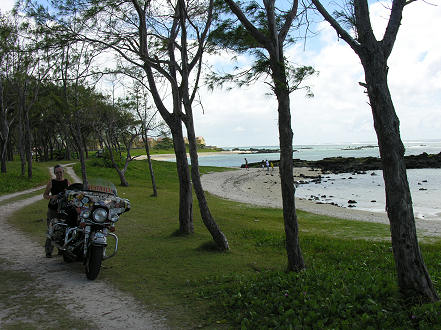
(103, 186)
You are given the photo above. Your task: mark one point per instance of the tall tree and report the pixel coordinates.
(413, 277)
(188, 18)
(264, 33)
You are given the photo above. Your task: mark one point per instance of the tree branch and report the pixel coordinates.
(393, 25)
(289, 19)
(260, 37)
(340, 30)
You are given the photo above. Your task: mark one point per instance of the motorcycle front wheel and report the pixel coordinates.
(93, 262)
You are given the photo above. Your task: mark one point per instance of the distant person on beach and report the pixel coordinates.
(272, 166)
(246, 164)
(53, 188)
(267, 165)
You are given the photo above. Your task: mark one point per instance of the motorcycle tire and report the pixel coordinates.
(93, 262)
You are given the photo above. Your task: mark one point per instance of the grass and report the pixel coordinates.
(350, 280)
(13, 181)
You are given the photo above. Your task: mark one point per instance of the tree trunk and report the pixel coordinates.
(149, 160)
(3, 156)
(413, 277)
(185, 191)
(4, 129)
(28, 144)
(79, 144)
(85, 148)
(122, 177)
(21, 135)
(121, 174)
(295, 258)
(207, 218)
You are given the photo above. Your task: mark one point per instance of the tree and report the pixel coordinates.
(7, 37)
(138, 101)
(413, 277)
(264, 33)
(29, 69)
(118, 125)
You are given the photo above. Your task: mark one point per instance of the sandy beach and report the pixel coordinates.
(200, 154)
(262, 187)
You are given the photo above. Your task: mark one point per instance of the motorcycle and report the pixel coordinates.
(85, 219)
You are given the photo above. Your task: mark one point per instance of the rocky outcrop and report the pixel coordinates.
(357, 165)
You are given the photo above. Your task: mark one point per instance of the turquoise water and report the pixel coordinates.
(368, 191)
(315, 152)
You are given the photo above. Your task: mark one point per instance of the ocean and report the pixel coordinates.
(315, 152)
(367, 190)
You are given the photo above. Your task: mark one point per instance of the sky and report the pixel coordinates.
(339, 111)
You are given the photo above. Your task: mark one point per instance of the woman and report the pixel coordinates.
(53, 188)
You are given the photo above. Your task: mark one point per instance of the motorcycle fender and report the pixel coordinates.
(99, 239)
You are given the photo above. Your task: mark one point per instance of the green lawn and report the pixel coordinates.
(349, 282)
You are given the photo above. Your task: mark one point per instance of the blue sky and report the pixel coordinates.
(339, 112)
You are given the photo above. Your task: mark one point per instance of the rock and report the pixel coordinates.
(373, 201)
(351, 201)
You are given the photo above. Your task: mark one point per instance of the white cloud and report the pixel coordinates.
(6, 5)
(339, 112)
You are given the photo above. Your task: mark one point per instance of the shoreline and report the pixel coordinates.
(262, 188)
(167, 157)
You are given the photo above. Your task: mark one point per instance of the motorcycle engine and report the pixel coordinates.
(58, 233)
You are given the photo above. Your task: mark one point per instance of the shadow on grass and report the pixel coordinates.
(210, 246)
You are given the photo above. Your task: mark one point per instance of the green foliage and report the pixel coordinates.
(230, 34)
(13, 181)
(348, 284)
(164, 143)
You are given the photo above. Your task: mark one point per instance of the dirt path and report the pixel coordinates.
(96, 302)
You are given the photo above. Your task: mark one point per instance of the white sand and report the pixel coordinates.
(259, 187)
(166, 157)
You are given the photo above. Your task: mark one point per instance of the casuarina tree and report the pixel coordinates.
(264, 32)
(413, 277)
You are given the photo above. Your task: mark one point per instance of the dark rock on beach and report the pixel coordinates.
(359, 165)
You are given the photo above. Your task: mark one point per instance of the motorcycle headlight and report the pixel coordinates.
(85, 214)
(100, 215)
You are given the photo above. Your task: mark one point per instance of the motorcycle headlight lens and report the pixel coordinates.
(100, 215)
(85, 214)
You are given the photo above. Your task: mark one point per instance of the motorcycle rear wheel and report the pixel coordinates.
(93, 262)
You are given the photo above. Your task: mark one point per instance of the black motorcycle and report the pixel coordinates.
(85, 219)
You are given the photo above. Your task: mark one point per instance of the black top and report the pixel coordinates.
(57, 187)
